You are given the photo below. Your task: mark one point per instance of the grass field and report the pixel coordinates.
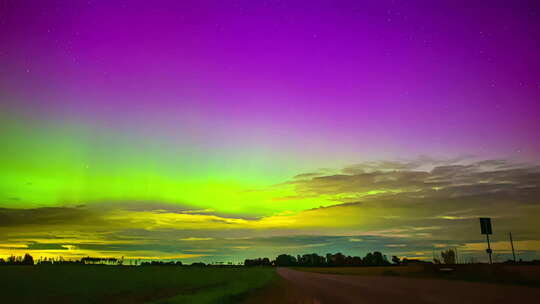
(498, 273)
(110, 284)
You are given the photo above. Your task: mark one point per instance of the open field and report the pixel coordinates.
(110, 284)
(497, 273)
(304, 287)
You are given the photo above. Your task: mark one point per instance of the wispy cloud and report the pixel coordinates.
(195, 239)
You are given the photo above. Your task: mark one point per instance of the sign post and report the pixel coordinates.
(485, 228)
(512, 245)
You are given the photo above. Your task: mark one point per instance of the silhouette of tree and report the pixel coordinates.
(311, 259)
(257, 262)
(162, 263)
(448, 256)
(11, 260)
(285, 260)
(375, 259)
(28, 259)
(337, 259)
(353, 261)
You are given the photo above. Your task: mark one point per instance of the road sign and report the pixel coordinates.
(485, 228)
(485, 225)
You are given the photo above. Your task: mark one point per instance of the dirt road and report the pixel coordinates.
(306, 287)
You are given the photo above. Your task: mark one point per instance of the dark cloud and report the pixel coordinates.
(403, 165)
(342, 205)
(380, 166)
(308, 175)
(47, 246)
(362, 182)
(450, 180)
(162, 208)
(43, 216)
(449, 195)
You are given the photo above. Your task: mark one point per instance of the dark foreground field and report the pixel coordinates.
(109, 284)
(299, 287)
(260, 285)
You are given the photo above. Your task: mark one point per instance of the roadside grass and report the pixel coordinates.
(113, 284)
(234, 290)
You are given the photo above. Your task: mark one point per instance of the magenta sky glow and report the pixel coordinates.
(342, 78)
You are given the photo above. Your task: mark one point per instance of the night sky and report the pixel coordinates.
(224, 130)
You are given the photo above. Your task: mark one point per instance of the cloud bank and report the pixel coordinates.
(400, 207)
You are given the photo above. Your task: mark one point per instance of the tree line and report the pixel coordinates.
(375, 258)
(27, 259)
(18, 260)
(312, 259)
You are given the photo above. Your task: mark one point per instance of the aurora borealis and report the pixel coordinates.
(224, 130)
